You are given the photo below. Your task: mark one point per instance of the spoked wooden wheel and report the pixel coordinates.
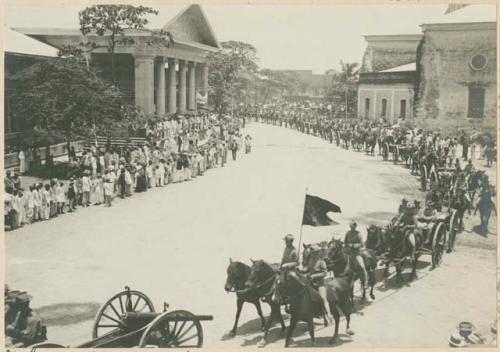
(434, 179)
(108, 317)
(45, 345)
(438, 243)
(177, 329)
(395, 155)
(408, 159)
(452, 230)
(423, 177)
(385, 151)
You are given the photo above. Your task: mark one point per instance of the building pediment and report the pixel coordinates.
(190, 30)
(191, 26)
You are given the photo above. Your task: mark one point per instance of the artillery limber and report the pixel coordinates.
(128, 319)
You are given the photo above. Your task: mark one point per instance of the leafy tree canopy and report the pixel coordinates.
(63, 95)
(112, 22)
(227, 69)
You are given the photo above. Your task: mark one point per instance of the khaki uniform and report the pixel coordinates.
(290, 255)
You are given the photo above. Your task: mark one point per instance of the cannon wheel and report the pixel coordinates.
(408, 160)
(452, 230)
(108, 317)
(395, 155)
(166, 331)
(423, 177)
(385, 151)
(45, 345)
(434, 179)
(438, 242)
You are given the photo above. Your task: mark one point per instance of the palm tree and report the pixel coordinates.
(348, 79)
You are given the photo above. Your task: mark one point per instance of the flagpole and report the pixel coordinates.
(301, 227)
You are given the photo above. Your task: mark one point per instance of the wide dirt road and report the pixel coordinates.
(174, 244)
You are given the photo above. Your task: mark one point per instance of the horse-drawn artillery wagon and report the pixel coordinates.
(128, 319)
(411, 241)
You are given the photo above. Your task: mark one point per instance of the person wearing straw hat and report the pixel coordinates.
(290, 253)
(456, 340)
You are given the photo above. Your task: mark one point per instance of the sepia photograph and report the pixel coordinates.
(254, 174)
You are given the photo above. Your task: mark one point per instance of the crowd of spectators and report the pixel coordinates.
(175, 150)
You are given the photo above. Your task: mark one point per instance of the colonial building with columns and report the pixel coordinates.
(159, 79)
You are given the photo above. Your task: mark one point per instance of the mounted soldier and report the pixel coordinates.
(424, 221)
(290, 253)
(435, 196)
(354, 243)
(403, 206)
(317, 271)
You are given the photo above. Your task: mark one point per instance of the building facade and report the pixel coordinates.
(386, 95)
(384, 52)
(157, 78)
(456, 83)
(387, 80)
(449, 85)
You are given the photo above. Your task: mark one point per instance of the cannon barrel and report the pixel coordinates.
(149, 316)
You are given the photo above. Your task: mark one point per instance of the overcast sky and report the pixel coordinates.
(314, 37)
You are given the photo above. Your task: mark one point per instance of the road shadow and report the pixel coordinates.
(68, 313)
(391, 282)
(480, 230)
(323, 341)
(251, 327)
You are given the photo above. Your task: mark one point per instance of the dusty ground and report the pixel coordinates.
(174, 245)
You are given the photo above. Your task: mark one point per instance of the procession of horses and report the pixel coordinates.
(415, 231)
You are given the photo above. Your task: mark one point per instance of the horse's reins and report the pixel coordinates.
(256, 287)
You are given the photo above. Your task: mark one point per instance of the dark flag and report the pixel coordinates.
(454, 7)
(315, 210)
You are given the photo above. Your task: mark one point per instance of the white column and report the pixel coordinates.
(182, 86)
(144, 81)
(191, 85)
(160, 86)
(172, 86)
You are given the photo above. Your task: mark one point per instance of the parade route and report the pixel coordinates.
(174, 244)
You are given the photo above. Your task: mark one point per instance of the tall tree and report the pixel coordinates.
(65, 96)
(277, 83)
(343, 88)
(227, 68)
(113, 21)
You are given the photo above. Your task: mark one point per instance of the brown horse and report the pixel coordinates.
(237, 275)
(262, 281)
(306, 304)
(404, 242)
(342, 263)
(376, 240)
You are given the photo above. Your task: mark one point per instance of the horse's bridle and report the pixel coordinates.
(245, 290)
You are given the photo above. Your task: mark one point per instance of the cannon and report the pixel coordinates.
(128, 319)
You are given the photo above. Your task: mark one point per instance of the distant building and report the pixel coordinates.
(456, 76)
(388, 77)
(311, 86)
(444, 78)
(387, 51)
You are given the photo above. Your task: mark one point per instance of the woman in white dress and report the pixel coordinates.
(22, 162)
